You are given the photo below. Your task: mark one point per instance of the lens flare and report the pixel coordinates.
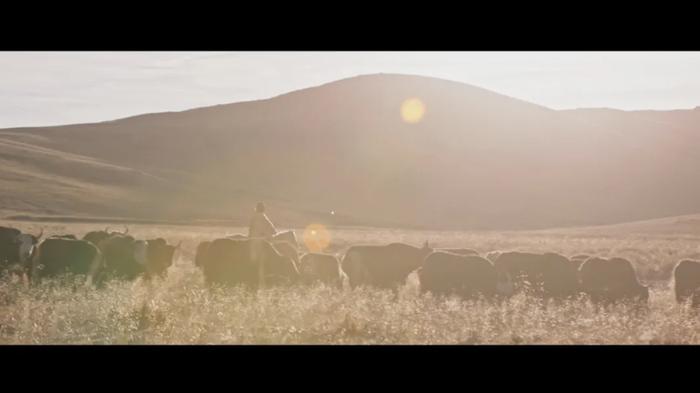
(316, 237)
(412, 110)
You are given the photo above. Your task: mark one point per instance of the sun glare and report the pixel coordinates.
(316, 237)
(412, 110)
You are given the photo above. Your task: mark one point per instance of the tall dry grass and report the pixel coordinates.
(181, 310)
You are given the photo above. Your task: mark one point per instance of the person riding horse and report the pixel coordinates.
(261, 229)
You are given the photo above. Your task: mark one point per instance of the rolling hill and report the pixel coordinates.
(477, 160)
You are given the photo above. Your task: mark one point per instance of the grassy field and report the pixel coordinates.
(181, 310)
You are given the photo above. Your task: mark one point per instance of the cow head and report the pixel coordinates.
(25, 243)
(160, 255)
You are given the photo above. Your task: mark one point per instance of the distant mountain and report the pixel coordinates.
(477, 160)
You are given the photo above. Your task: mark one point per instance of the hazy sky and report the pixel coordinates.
(48, 88)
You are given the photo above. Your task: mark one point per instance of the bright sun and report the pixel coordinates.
(316, 237)
(412, 110)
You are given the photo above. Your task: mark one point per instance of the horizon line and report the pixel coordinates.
(697, 107)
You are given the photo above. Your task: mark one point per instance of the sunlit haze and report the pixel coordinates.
(349, 198)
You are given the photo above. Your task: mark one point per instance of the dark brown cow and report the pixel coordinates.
(220, 262)
(7, 233)
(160, 257)
(125, 257)
(383, 266)
(560, 276)
(228, 261)
(16, 247)
(55, 256)
(325, 268)
(128, 258)
(546, 275)
(610, 280)
(686, 277)
(467, 276)
(9, 247)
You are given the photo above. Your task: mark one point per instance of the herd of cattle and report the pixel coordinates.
(98, 255)
(102, 255)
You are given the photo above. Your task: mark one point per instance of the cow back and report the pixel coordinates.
(120, 253)
(382, 266)
(56, 256)
(611, 280)
(467, 276)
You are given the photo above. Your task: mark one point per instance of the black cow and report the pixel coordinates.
(467, 276)
(159, 257)
(55, 256)
(125, 257)
(128, 258)
(325, 268)
(385, 266)
(547, 275)
(16, 247)
(228, 261)
(686, 277)
(9, 249)
(608, 281)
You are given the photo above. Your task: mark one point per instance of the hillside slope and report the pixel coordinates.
(477, 160)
